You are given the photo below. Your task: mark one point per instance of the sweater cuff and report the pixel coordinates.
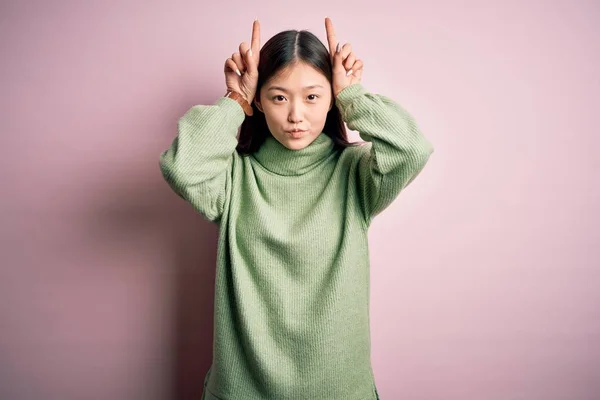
(349, 93)
(232, 108)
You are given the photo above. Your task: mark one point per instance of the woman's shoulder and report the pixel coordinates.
(355, 151)
(350, 156)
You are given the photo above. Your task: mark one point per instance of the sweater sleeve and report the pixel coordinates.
(198, 163)
(397, 153)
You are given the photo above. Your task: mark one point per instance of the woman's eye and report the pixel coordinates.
(280, 97)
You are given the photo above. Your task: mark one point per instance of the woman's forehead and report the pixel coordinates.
(298, 77)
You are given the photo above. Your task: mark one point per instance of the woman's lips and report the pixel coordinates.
(296, 134)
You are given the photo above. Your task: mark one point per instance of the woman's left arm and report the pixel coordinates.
(398, 150)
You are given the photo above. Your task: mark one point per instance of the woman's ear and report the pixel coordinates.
(258, 105)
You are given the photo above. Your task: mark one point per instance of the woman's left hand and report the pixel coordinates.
(347, 69)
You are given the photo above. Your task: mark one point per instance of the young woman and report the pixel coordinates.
(293, 200)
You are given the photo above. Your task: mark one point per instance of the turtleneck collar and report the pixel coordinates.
(280, 160)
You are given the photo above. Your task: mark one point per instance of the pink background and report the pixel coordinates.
(485, 271)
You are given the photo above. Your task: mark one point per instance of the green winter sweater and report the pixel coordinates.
(291, 316)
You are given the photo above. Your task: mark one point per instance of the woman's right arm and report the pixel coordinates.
(198, 162)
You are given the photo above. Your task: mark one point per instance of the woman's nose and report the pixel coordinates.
(295, 115)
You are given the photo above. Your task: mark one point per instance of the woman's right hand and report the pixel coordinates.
(246, 62)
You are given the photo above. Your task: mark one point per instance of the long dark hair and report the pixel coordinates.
(280, 51)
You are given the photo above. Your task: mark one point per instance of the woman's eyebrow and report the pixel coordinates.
(285, 90)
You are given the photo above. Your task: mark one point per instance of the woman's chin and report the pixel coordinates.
(294, 145)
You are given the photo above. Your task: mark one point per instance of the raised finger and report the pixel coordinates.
(331, 39)
(256, 36)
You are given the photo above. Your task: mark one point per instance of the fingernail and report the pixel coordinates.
(256, 19)
(250, 52)
(337, 48)
(237, 71)
(349, 73)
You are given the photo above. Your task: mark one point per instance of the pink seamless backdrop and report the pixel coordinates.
(485, 271)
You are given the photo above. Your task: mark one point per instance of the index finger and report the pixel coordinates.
(330, 35)
(255, 36)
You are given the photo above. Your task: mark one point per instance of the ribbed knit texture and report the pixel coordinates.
(292, 281)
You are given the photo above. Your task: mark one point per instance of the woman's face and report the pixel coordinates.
(298, 97)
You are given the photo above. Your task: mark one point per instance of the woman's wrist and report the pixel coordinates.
(241, 100)
(242, 94)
